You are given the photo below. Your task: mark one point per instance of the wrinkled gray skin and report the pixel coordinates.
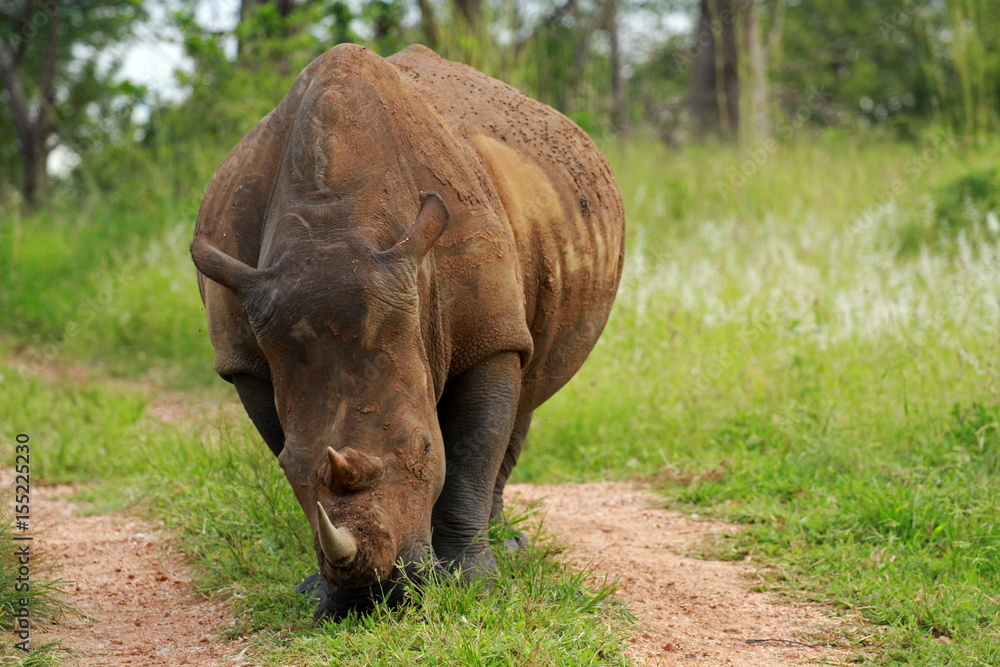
(399, 264)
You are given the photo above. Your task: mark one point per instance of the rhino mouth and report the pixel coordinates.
(414, 566)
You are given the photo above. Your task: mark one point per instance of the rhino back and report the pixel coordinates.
(559, 199)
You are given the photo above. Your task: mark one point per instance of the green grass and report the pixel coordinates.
(221, 491)
(105, 276)
(781, 364)
(789, 350)
(44, 597)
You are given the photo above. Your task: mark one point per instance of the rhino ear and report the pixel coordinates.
(431, 223)
(223, 269)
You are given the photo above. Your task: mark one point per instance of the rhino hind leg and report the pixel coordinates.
(517, 540)
(477, 413)
(257, 397)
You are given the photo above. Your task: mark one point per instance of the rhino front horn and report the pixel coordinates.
(337, 544)
(351, 470)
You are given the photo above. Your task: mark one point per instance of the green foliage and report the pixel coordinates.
(91, 107)
(897, 63)
(961, 62)
(126, 300)
(968, 199)
(257, 546)
(905, 532)
(965, 213)
(385, 19)
(860, 54)
(90, 433)
(44, 597)
(771, 359)
(659, 88)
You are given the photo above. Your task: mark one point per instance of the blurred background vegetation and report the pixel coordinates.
(677, 71)
(805, 337)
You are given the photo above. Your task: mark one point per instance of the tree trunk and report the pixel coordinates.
(619, 117)
(32, 132)
(758, 129)
(727, 70)
(714, 99)
(428, 23)
(704, 109)
(17, 101)
(469, 9)
(246, 7)
(34, 180)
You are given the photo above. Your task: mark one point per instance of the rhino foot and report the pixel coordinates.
(474, 564)
(308, 585)
(515, 542)
(335, 604)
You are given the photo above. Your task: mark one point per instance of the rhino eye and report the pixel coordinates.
(427, 446)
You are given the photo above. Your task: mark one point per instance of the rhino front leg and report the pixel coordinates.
(257, 397)
(517, 439)
(476, 413)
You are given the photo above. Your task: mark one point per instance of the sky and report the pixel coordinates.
(156, 53)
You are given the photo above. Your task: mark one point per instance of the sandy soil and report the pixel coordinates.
(131, 594)
(690, 611)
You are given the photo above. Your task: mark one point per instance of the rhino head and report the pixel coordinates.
(339, 323)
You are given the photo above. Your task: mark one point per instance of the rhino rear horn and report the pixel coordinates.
(223, 269)
(430, 224)
(351, 470)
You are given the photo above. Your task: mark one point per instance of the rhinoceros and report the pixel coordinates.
(399, 264)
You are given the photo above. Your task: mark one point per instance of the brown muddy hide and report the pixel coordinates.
(339, 323)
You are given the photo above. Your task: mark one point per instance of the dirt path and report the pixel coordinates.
(138, 607)
(690, 611)
(133, 594)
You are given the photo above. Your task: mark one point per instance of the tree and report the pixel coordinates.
(50, 78)
(469, 10)
(619, 114)
(714, 78)
(33, 129)
(261, 18)
(867, 59)
(428, 23)
(754, 54)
